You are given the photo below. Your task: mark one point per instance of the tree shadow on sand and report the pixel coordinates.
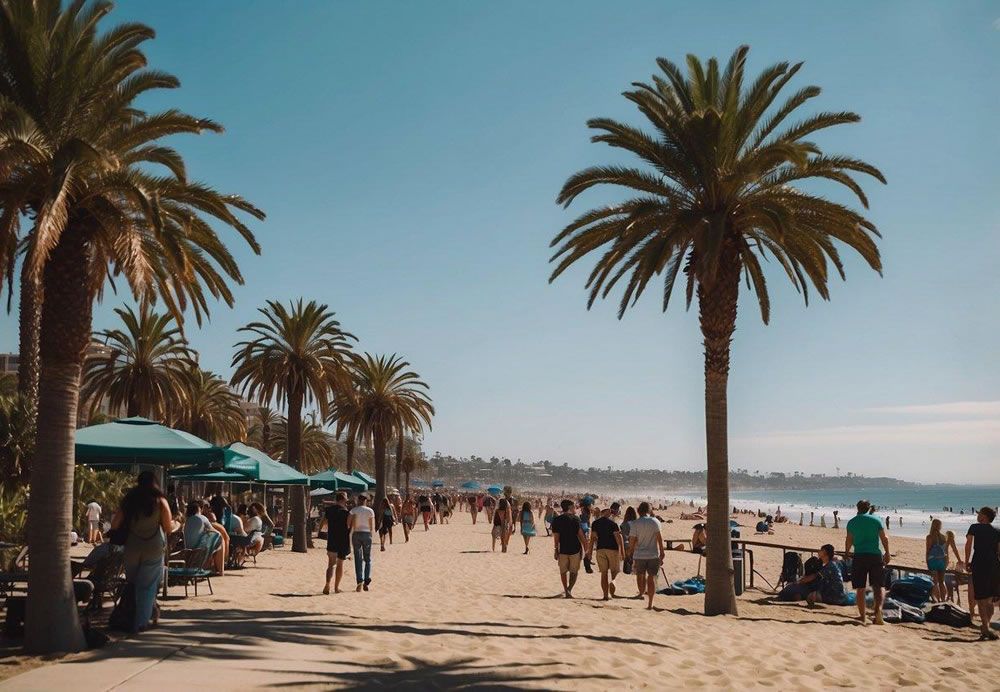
(415, 673)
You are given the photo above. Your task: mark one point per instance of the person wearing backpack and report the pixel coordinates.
(984, 565)
(864, 532)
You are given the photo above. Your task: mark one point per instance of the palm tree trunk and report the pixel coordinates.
(717, 314)
(293, 453)
(407, 495)
(399, 459)
(52, 623)
(29, 324)
(380, 474)
(350, 454)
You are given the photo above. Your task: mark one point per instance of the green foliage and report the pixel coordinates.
(105, 487)
(17, 440)
(13, 514)
(717, 188)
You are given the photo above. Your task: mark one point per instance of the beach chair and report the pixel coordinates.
(191, 570)
(13, 571)
(108, 577)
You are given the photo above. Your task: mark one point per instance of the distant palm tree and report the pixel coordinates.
(344, 404)
(144, 368)
(209, 409)
(389, 396)
(717, 193)
(259, 434)
(318, 452)
(78, 157)
(295, 356)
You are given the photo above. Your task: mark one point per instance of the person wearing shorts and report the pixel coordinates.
(606, 537)
(984, 564)
(338, 544)
(864, 533)
(93, 514)
(569, 541)
(426, 510)
(646, 551)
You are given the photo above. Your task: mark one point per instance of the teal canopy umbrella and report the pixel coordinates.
(438, 484)
(366, 478)
(131, 441)
(335, 480)
(261, 468)
(494, 490)
(197, 474)
(471, 485)
(419, 483)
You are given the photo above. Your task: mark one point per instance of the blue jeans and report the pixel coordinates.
(362, 544)
(146, 578)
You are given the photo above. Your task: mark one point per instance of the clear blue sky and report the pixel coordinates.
(408, 156)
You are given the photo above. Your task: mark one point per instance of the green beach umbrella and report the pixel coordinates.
(262, 468)
(335, 480)
(130, 441)
(366, 478)
(198, 474)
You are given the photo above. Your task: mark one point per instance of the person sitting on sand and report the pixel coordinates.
(700, 539)
(569, 541)
(984, 565)
(821, 583)
(692, 517)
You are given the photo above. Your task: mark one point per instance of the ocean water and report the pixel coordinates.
(916, 506)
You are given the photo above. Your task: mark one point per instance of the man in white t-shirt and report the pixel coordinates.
(646, 551)
(362, 522)
(93, 514)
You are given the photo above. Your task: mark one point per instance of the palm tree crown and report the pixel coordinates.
(142, 369)
(717, 188)
(209, 409)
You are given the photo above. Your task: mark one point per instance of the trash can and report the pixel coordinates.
(738, 571)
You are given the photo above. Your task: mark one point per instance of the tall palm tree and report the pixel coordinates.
(75, 154)
(716, 194)
(144, 367)
(209, 409)
(295, 356)
(344, 403)
(389, 396)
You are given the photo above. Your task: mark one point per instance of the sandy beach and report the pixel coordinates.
(445, 612)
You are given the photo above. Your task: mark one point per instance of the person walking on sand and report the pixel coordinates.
(864, 532)
(501, 525)
(408, 517)
(426, 510)
(984, 566)
(569, 541)
(550, 514)
(338, 542)
(386, 520)
(527, 519)
(362, 528)
(646, 551)
(606, 537)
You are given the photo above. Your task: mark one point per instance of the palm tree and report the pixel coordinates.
(295, 356)
(209, 409)
(144, 367)
(343, 410)
(76, 156)
(717, 193)
(259, 435)
(317, 446)
(389, 396)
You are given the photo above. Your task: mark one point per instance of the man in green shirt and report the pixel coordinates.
(864, 533)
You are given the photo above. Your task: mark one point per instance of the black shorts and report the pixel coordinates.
(341, 549)
(867, 570)
(985, 581)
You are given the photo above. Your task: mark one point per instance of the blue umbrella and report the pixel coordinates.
(438, 484)
(419, 483)
(471, 485)
(494, 490)
(587, 500)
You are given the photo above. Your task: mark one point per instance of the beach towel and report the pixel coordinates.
(691, 585)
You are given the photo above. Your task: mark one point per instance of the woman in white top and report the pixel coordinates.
(254, 526)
